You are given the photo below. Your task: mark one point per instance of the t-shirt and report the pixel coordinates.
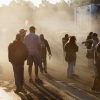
(94, 43)
(97, 50)
(31, 41)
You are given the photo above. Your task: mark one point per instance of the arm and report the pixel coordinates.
(26, 52)
(90, 40)
(9, 54)
(39, 47)
(48, 48)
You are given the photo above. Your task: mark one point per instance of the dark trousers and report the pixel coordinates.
(44, 61)
(19, 75)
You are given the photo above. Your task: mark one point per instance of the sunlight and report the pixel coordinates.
(36, 2)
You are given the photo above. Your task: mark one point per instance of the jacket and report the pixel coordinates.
(17, 53)
(44, 47)
(70, 52)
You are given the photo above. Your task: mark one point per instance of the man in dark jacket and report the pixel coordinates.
(44, 47)
(17, 54)
(64, 40)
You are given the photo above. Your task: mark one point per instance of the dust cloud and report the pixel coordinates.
(52, 20)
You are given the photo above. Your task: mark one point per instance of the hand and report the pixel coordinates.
(83, 42)
(50, 56)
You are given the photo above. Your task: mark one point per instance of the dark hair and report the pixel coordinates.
(72, 39)
(66, 35)
(91, 33)
(32, 28)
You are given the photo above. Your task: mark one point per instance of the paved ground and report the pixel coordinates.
(55, 86)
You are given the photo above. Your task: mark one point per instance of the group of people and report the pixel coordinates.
(93, 54)
(33, 48)
(29, 47)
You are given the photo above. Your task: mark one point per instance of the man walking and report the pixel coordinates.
(44, 47)
(18, 53)
(33, 43)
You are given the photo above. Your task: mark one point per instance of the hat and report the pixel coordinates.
(18, 36)
(22, 31)
(95, 34)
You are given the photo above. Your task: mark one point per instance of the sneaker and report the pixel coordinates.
(92, 90)
(30, 80)
(45, 71)
(17, 91)
(97, 91)
(38, 80)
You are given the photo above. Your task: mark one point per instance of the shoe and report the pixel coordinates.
(45, 71)
(18, 90)
(30, 80)
(97, 91)
(38, 80)
(92, 90)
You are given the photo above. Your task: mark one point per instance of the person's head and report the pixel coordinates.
(95, 36)
(91, 33)
(42, 37)
(23, 32)
(18, 37)
(72, 39)
(66, 35)
(32, 29)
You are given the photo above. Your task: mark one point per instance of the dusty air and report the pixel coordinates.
(50, 50)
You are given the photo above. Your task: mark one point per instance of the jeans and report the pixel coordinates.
(70, 67)
(95, 72)
(44, 62)
(19, 75)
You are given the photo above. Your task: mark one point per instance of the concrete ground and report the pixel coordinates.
(55, 86)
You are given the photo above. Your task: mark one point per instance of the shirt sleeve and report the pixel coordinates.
(48, 47)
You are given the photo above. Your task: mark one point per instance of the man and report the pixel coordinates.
(88, 46)
(18, 53)
(23, 34)
(33, 43)
(44, 47)
(96, 85)
(94, 41)
(64, 40)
